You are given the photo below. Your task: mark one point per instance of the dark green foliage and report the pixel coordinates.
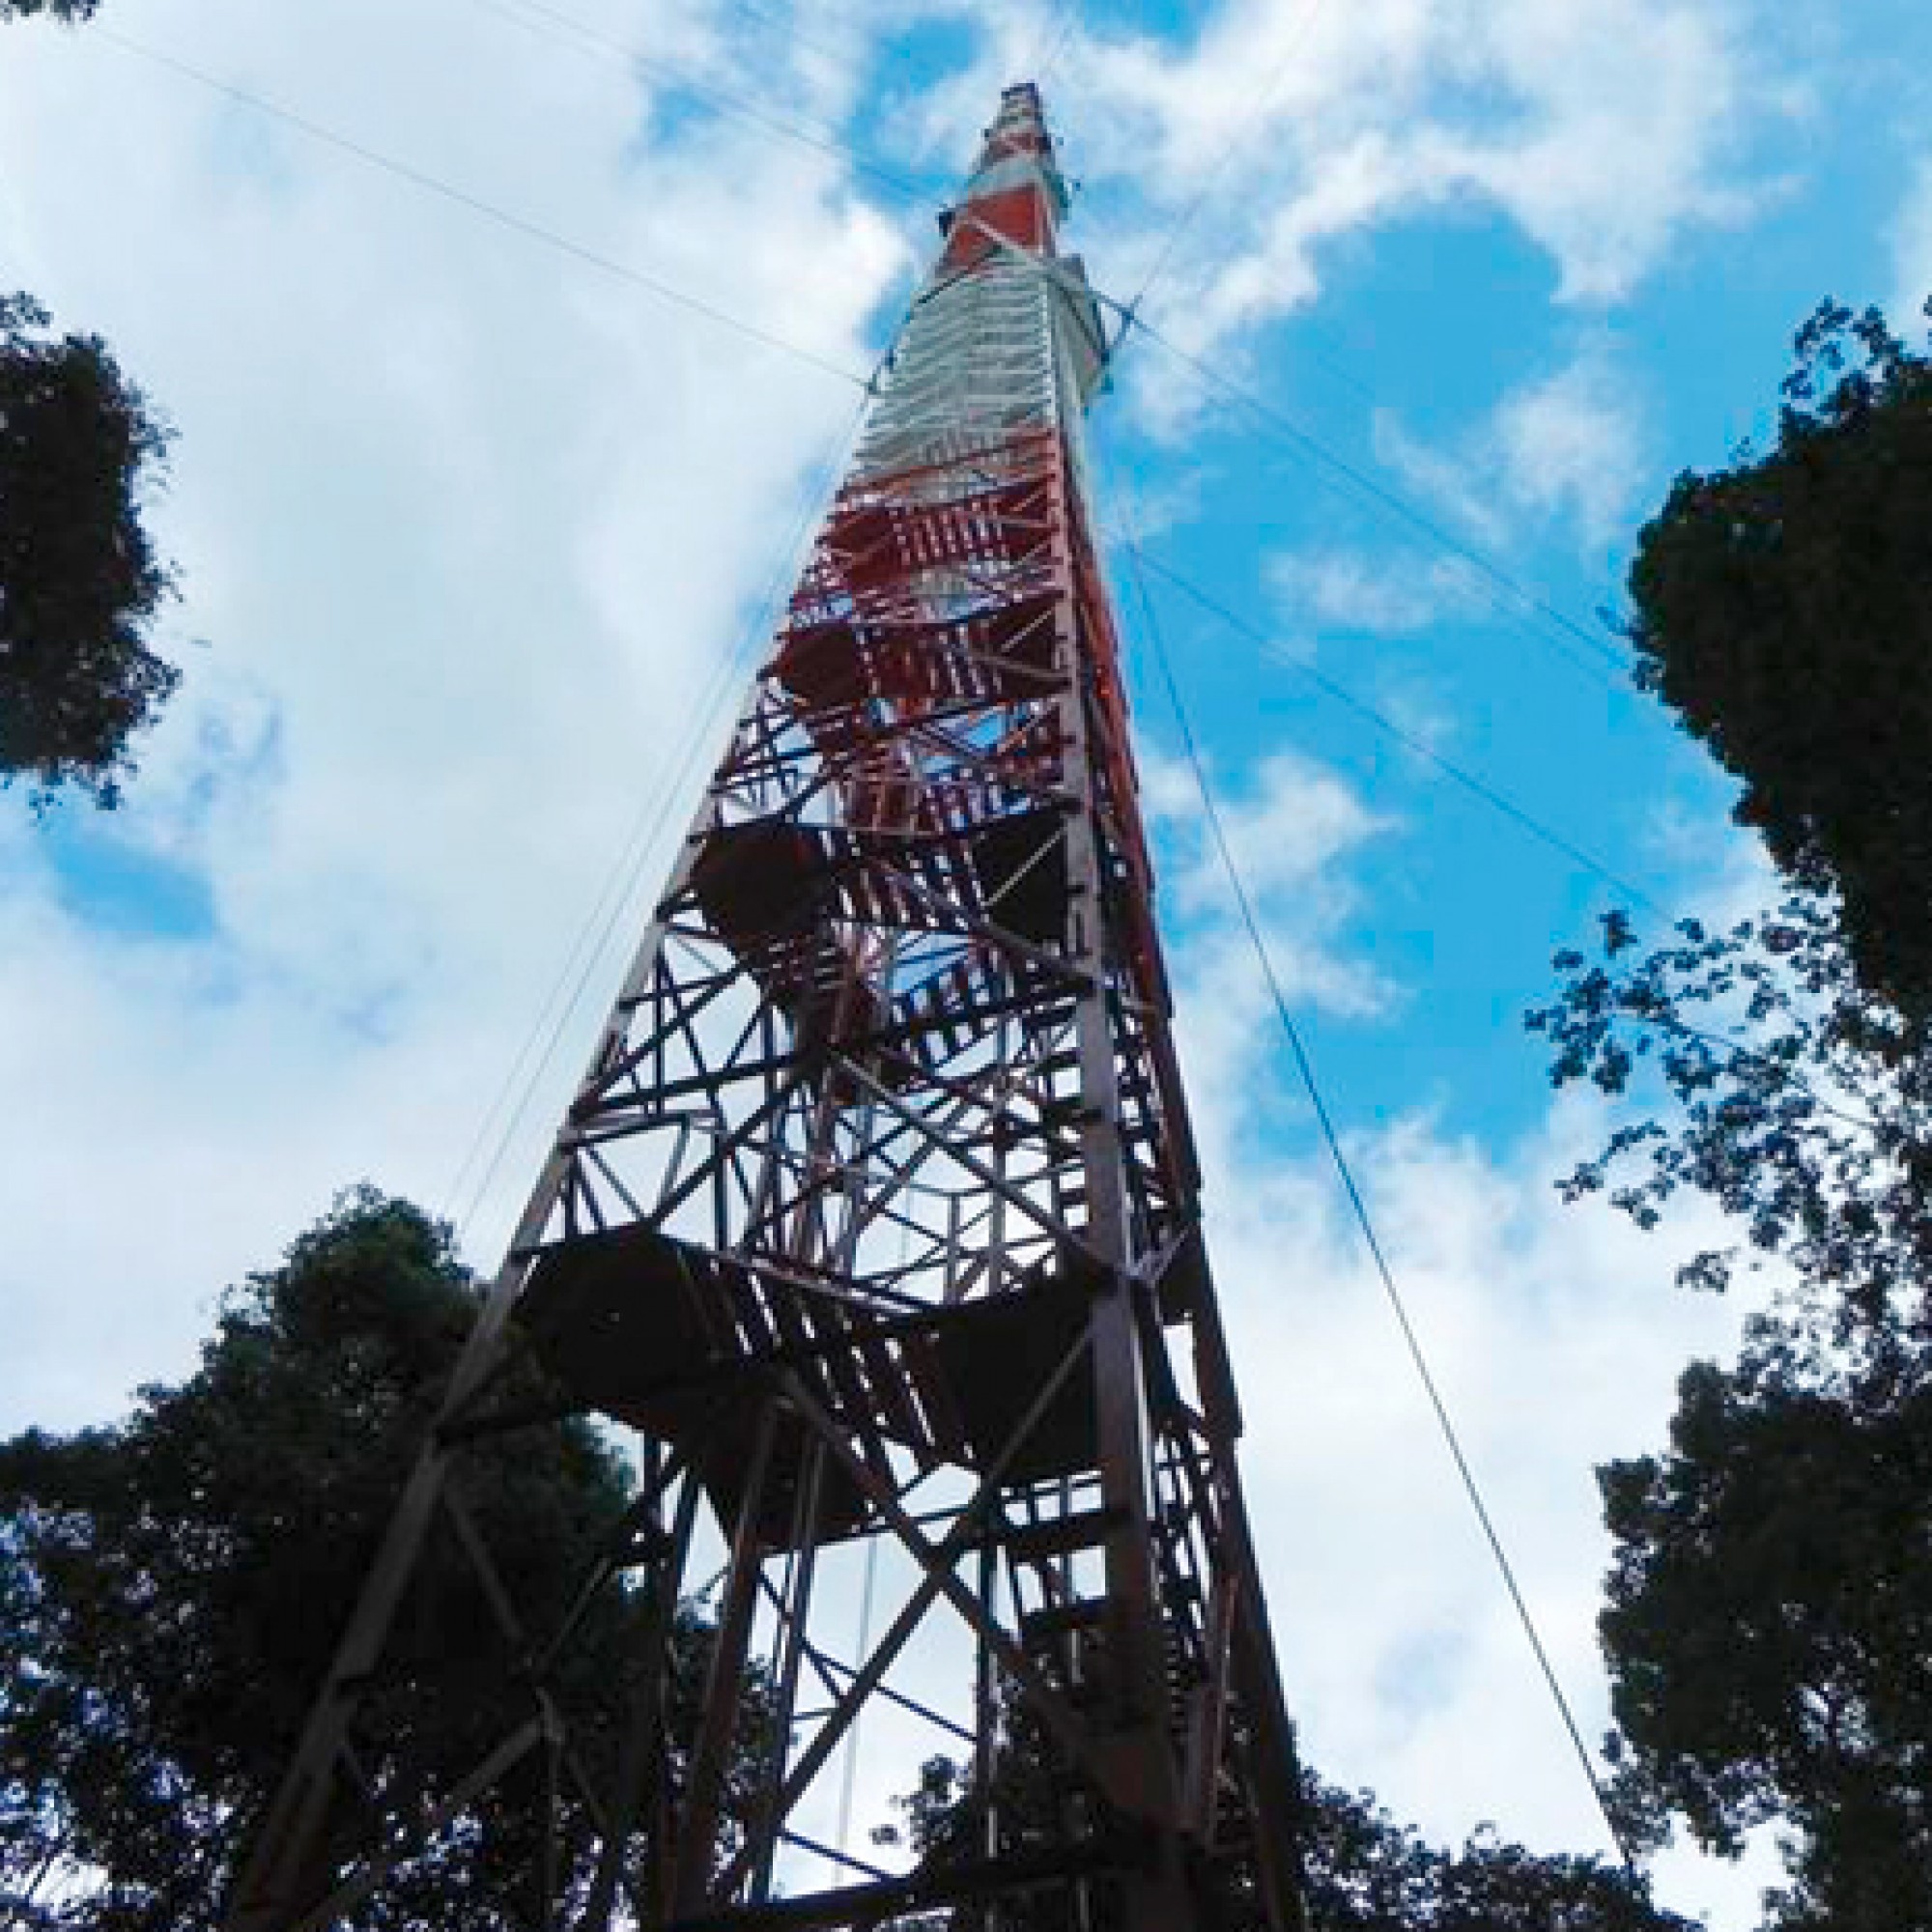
(1783, 608)
(174, 1586)
(1770, 1633)
(54, 10)
(1770, 1619)
(1362, 1871)
(1365, 1872)
(79, 580)
(1768, 1630)
(1797, 1100)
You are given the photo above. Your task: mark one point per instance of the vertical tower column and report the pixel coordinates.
(876, 1218)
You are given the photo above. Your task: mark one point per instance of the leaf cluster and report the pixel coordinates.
(1783, 608)
(1797, 1099)
(80, 584)
(174, 1587)
(1366, 1872)
(1769, 1624)
(1769, 1616)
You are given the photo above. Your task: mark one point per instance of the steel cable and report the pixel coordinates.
(1372, 1240)
(490, 211)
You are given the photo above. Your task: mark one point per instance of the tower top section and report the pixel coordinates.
(1005, 334)
(1015, 194)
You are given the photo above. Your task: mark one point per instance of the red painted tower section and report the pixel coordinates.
(875, 1221)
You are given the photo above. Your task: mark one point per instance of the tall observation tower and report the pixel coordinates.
(874, 1222)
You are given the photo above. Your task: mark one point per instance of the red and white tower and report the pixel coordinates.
(876, 1219)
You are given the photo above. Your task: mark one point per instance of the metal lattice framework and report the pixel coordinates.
(876, 1218)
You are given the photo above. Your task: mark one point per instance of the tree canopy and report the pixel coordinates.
(1770, 1634)
(1784, 1089)
(80, 584)
(55, 10)
(1362, 1870)
(1768, 1618)
(173, 1588)
(1783, 608)
(1366, 1872)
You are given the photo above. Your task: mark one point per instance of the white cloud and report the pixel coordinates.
(1353, 590)
(1229, 166)
(1631, 109)
(1451, 479)
(1572, 444)
(1292, 829)
(1602, 129)
(1554, 1333)
(1556, 1336)
(1566, 447)
(468, 528)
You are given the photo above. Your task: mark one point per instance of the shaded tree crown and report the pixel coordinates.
(174, 1585)
(1783, 608)
(81, 582)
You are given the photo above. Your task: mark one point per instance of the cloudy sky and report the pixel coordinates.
(510, 358)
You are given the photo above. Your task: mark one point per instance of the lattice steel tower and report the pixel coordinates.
(876, 1219)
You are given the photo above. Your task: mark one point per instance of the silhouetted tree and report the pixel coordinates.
(1783, 608)
(172, 1589)
(1768, 1628)
(1362, 1871)
(1768, 1632)
(1765, 1074)
(79, 580)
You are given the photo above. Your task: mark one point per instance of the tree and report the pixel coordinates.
(1798, 1099)
(1783, 608)
(79, 580)
(57, 9)
(1769, 1624)
(1362, 1871)
(1770, 1633)
(1366, 1872)
(173, 1588)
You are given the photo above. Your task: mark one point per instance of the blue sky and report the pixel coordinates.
(471, 527)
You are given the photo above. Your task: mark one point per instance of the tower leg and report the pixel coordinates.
(696, 1857)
